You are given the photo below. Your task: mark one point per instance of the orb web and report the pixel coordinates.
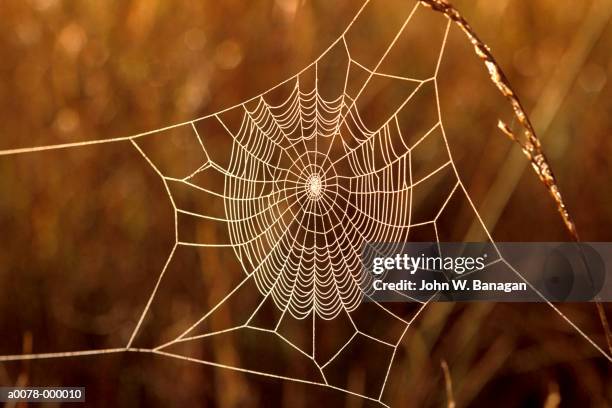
(307, 183)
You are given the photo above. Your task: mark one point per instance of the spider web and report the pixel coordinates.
(306, 182)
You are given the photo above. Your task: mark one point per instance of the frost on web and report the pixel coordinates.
(291, 184)
(308, 178)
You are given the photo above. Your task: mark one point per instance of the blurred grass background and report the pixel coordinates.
(74, 71)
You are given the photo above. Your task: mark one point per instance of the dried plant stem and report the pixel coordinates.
(604, 321)
(450, 398)
(553, 399)
(529, 143)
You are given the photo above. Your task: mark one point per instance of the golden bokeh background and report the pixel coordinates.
(85, 231)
